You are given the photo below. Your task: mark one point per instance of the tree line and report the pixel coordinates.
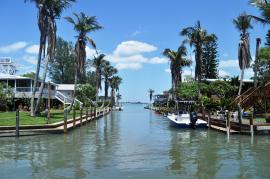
(67, 63)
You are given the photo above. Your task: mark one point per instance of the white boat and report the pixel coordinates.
(183, 121)
(118, 108)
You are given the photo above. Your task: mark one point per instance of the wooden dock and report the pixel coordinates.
(55, 128)
(220, 125)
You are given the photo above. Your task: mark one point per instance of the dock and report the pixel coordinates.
(55, 128)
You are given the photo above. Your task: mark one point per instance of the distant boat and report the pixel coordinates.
(118, 108)
(185, 121)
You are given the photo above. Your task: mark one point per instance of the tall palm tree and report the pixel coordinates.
(264, 8)
(108, 72)
(243, 23)
(151, 92)
(115, 82)
(196, 36)
(98, 63)
(55, 9)
(178, 60)
(82, 25)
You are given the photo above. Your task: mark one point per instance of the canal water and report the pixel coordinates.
(135, 143)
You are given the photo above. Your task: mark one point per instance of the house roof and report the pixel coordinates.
(12, 77)
(244, 80)
(65, 87)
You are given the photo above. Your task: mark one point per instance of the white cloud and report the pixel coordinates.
(127, 59)
(30, 59)
(90, 53)
(133, 47)
(13, 47)
(131, 66)
(33, 49)
(229, 64)
(157, 60)
(222, 73)
(248, 73)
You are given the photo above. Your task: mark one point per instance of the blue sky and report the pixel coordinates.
(134, 36)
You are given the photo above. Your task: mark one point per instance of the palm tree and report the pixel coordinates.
(108, 72)
(54, 11)
(115, 82)
(178, 60)
(264, 8)
(98, 64)
(196, 36)
(243, 23)
(151, 92)
(83, 25)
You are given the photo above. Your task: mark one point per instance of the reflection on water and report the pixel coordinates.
(135, 143)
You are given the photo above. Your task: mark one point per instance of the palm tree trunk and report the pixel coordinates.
(75, 90)
(42, 84)
(106, 86)
(41, 44)
(97, 85)
(241, 82)
(239, 93)
(258, 41)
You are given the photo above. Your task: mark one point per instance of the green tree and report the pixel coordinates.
(197, 37)
(210, 59)
(98, 63)
(6, 97)
(30, 75)
(187, 91)
(264, 8)
(178, 61)
(85, 93)
(108, 71)
(115, 82)
(48, 12)
(61, 71)
(82, 25)
(264, 65)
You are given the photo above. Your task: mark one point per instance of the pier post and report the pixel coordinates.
(65, 120)
(251, 122)
(227, 114)
(81, 111)
(209, 119)
(74, 117)
(87, 114)
(203, 112)
(17, 123)
(95, 113)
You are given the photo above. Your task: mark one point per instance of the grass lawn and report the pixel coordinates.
(9, 118)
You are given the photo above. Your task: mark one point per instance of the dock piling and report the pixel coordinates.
(65, 120)
(74, 117)
(87, 113)
(251, 122)
(81, 111)
(17, 123)
(227, 114)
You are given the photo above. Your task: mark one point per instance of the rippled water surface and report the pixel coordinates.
(135, 143)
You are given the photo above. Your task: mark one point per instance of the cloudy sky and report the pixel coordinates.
(134, 36)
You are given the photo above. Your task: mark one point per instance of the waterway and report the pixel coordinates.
(135, 143)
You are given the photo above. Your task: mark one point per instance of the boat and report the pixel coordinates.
(186, 120)
(118, 108)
